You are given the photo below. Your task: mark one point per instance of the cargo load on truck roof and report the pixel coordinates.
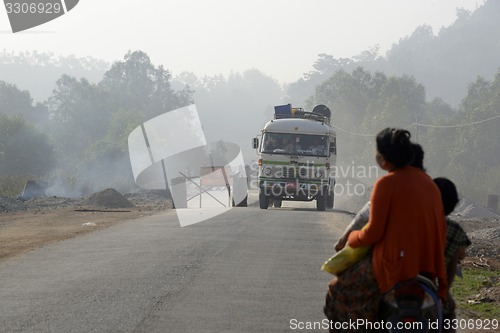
(320, 113)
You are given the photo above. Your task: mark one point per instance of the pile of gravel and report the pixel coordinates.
(10, 204)
(36, 204)
(51, 202)
(109, 198)
(483, 248)
(491, 234)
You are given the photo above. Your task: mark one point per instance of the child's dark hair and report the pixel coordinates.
(449, 194)
(395, 146)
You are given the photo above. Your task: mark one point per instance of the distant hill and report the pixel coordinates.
(445, 62)
(38, 72)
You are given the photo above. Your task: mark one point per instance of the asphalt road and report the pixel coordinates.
(248, 270)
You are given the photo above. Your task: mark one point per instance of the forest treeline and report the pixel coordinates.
(441, 87)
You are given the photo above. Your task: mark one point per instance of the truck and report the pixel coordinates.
(297, 151)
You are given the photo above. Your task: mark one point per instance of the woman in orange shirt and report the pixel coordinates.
(406, 230)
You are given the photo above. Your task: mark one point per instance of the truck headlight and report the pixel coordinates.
(318, 174)
(267, 171)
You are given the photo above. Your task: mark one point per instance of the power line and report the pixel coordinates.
(455, 126)
(352, 133)
(422, 125)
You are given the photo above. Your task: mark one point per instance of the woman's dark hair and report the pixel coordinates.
(395, 146)
(449, 194)
(418, 156)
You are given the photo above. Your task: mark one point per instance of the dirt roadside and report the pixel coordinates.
(21, 232)
(27, 225)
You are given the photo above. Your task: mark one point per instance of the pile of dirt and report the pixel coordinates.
(109, 198)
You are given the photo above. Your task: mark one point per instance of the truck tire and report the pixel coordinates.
(263, 200)
(321, 201)
(329, 200)
(277, 203)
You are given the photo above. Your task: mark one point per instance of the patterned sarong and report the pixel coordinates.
(353, 295)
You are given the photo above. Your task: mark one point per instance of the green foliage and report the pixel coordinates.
(15, 102)
(137, 85)
(90, 123)
(367, 103)
(79, 115)
(23, 149)
(363, 103)
(477, 154)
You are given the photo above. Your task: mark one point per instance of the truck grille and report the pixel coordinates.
(303, 172)
(288, 172)
(293, 172)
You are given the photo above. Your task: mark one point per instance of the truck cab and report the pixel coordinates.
(297, 151)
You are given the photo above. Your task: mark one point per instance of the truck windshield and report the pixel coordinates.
(295, 144)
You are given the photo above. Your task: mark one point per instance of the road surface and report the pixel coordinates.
(248, 270)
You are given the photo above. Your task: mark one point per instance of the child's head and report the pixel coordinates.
(449, 194)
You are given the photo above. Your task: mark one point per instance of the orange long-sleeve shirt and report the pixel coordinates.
(406, 228)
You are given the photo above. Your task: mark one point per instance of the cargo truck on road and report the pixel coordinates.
(297, 151)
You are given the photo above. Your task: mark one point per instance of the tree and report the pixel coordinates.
(23, 149)
(91, 122)
(135, 84)
(324, 67)
(362, 104)
(476, 152)
(19, 103)
(79, 113)
(413, 52)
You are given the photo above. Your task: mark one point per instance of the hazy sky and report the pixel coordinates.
(282, 38)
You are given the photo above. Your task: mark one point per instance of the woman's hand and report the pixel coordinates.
(342, 242)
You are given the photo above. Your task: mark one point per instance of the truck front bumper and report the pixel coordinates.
(292, 188)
